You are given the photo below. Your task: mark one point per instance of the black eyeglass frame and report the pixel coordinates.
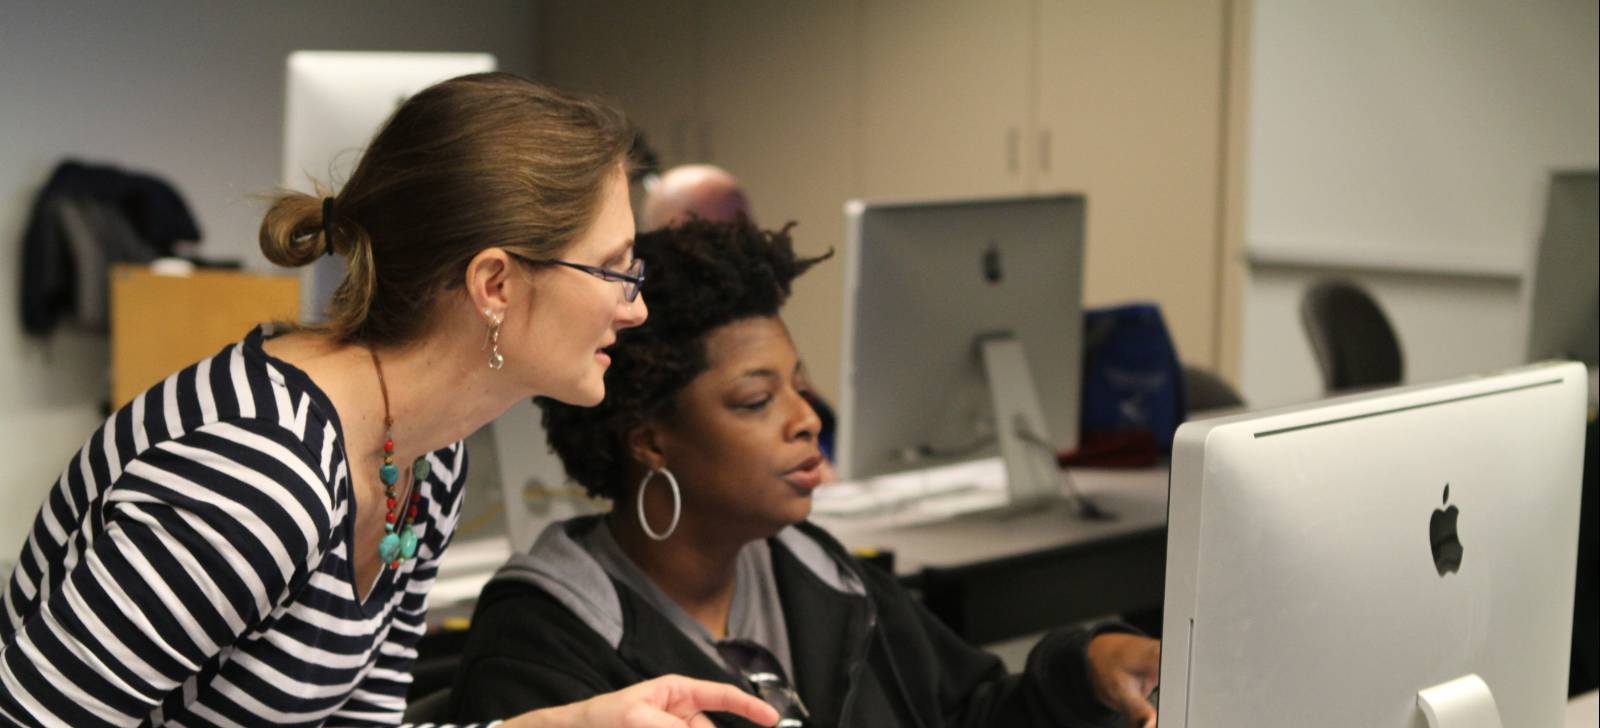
(632, 280)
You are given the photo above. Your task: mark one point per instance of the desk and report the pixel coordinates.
(989, 577)
(993, 577)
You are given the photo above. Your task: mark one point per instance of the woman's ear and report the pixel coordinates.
(489, 280)
(644, 446)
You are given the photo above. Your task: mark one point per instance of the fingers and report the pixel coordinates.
(691, 697)
(648, 717)
(1151, 663)
(1143, 665)
(1129, 696)
(1137, 710)
(1143, 715)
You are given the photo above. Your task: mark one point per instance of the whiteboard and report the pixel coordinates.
(1415, 133)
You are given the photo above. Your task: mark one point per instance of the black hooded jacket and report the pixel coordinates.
(85, 219)
(552, 628)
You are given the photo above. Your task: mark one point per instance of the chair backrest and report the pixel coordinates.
(1203, 391)
(431, 708)
(1354, 344)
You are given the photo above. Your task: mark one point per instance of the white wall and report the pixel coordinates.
(1407, 145)
(189, 90)
(1448, 326)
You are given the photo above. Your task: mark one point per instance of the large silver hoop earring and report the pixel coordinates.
(492, 340)
(677, 505)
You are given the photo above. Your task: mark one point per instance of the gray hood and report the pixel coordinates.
(560, 565)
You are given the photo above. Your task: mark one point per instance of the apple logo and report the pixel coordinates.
(1442, 534)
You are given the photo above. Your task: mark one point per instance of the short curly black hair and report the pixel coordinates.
(700, 276)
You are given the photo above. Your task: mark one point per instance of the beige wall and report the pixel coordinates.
(817, 103)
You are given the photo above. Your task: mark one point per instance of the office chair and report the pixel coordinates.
(1203, 391)
(433, 707)
(1355, 346)
(433, 674)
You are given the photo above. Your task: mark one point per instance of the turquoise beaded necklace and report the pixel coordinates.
(396, 548)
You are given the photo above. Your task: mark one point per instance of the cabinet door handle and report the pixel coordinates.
(1044, 150)
(1013, 150)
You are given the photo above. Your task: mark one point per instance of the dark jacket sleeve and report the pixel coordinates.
(526, 652)
(971, 687)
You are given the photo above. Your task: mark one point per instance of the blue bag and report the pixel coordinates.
(1132, 381)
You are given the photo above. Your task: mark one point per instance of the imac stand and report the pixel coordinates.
(1464, 702)
(1031, 473)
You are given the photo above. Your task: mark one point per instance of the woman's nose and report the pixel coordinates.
(633, 313)
(806, 422)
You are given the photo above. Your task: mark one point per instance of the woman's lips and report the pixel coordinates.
(807, 475)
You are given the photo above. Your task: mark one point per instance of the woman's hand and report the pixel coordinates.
(1125, 668)
(665, 702)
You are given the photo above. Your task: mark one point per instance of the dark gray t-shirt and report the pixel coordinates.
(756, 615)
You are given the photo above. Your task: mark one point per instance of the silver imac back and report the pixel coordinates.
(955, 310)
(335, 101)
(1393, 560)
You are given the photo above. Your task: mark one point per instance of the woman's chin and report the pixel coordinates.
(800, 511)
(584, 395)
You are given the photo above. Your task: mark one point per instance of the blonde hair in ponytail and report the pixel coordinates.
(487, 160)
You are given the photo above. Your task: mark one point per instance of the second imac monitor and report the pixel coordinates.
(962, 332)
(1398, 559)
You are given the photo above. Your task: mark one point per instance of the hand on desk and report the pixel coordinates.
(1125, 668)
(665, 702)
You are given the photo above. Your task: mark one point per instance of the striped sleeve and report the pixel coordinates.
(199, 539)
(380, 698)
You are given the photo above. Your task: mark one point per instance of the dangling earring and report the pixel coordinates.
(492, 340)
(677, 505)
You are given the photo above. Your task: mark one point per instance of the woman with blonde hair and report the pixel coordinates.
(252, 541)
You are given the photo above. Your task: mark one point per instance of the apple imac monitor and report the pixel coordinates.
(1402, 559)
(962, 337)
(336, 100)
(1564, 292)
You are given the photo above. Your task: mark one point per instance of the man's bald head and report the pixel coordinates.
(701, 190)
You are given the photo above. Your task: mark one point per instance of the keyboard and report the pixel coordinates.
(934, 492)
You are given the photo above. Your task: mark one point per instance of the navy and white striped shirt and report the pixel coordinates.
(191, 566)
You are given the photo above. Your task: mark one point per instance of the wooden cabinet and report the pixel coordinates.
(1130, 112)
(812, 104)
(162, 323)
(779, 75)
(643, 56)
(945, 95)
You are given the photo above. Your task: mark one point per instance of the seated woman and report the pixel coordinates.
(708, 567)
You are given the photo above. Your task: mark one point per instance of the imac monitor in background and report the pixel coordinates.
(1564, 293)
(336, 100)
(1376, 560)
(956, 311)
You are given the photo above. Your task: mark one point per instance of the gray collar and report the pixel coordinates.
(560, 565)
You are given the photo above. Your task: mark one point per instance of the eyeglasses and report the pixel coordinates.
(777, 692)
(762, 672)
(631, 279)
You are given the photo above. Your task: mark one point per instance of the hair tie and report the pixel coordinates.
(327, 222)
